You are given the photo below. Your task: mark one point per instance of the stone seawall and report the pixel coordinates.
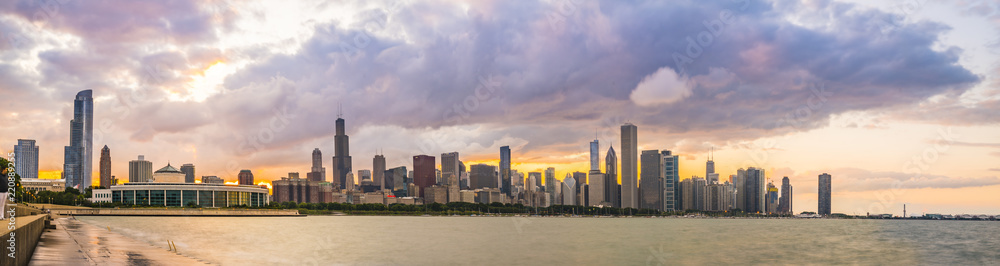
(27, 230)
(175, 212)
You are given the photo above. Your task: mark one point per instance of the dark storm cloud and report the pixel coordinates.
(549, 73)
(574, 69)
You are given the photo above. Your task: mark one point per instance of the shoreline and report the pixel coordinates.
(74, 242)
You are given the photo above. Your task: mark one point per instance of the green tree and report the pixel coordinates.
(19, 192)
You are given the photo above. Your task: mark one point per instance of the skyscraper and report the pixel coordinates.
(581, 191)
(629, 166)
(341, 156)
(449, 173)
(318, 172)
(785, 203)
(106, 181)
(671, 181)
(595, 190)
(611, 178)
(718, 197)
(698, 189)
(140, 170)
(739, 185)
(595, 156)
(651, 182)
(755, 190)
(395, 180)
(569, 190)
(825, 182)
(710, 176)
(365, 175)
(550, 183)
(26, 154)
(463, 175)
(449, 165)
(78, 159)
(505, 178)
(378, 171)
(483, 176)
(537, 179)
(245, 177)
(771, 198)
(188, 170)
(686, 190)
(424, 175)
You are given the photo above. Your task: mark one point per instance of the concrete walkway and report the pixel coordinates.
(77, 243)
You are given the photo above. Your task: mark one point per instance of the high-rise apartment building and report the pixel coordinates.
(785, 203)
(140, 170)
(699, 193)
(825, 183)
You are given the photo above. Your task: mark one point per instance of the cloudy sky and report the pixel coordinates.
(898, 100)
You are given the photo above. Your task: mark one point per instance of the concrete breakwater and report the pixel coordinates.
(19, 243)
(175, 212)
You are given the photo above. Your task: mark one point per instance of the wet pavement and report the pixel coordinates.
(77, 243)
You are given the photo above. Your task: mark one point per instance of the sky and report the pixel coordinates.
(897, 100)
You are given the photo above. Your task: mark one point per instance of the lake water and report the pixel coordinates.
(325, 240)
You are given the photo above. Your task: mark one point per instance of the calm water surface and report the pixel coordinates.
(325, 240)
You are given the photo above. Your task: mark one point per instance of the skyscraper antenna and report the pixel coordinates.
(340, 110)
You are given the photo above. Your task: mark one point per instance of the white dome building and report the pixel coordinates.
(168, 174)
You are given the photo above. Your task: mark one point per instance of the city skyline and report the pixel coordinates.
(232, 94)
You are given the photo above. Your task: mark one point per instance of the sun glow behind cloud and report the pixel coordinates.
(206, 83)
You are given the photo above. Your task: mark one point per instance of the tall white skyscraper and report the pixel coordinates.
(629, 166)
